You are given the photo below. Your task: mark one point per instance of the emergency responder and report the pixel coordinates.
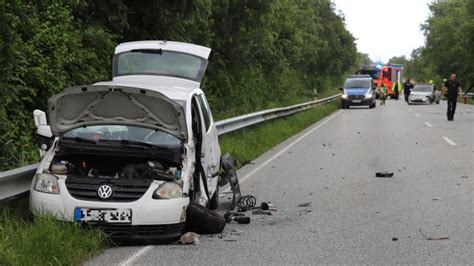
(453, 89)
(382, 91)
(407, 87)
(396, 87)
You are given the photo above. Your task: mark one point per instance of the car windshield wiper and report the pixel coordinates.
(78, 139)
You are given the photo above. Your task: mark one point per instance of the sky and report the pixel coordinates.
(385, 28)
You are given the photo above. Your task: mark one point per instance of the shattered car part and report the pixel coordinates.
(189, 238)
(383, 174)
(228, 164)
(203, 221)
(237, 217)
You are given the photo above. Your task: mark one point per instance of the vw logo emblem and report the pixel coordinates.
(104, 191)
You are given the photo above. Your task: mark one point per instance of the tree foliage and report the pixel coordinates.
(448, 49)
(266, 53)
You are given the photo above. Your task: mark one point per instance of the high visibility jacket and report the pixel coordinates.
(399, 87)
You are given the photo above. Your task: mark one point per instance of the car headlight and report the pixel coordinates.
(369, 96)
(168, 190)
(344, 96)
(47, 183)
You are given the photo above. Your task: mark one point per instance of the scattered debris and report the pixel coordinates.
(202, 220)
(247, 202)
(324, 145)
(306, 204)
(432, 238)
(333, 154)
(394, 239)
(237, 217)
(230, 240)
(189, 238)
(435, 199)
(245, 162)
(464, 176)
(262, 212)
(383, 174)
(358, 132)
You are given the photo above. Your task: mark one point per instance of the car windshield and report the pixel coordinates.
(160, 63)
(423, 88)
(121, 133)
(357, 83)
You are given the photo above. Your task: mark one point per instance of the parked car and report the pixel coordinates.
(130, 154)
(358, 90)
(424, 93)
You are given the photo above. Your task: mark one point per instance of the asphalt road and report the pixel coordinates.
(423, 214)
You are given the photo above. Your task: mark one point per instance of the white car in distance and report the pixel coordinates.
(130, 154)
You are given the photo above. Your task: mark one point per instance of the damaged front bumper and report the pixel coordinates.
(147, 218)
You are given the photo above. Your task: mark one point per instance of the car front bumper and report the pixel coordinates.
(165, 218)
(357, 102)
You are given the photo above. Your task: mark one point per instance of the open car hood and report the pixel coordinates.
(115, 105)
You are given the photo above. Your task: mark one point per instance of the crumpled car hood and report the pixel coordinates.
(106, 105)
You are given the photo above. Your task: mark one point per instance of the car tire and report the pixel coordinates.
(214, 202)
(201, 220)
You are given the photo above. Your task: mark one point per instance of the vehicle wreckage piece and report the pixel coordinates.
(230, 174)
(238, 217)
(202, 220)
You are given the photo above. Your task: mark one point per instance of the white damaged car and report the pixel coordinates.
(130, 154)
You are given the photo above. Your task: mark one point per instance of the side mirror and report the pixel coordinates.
(44, 134)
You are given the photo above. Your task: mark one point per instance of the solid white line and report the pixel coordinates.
(417, 115)
(429, 124)
(131, 260)
(241, 180)
(452, 143)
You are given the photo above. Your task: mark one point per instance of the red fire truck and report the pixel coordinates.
(387, 74)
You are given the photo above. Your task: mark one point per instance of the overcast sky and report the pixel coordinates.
(385, 28)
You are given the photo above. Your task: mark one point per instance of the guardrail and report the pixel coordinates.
(15, 183)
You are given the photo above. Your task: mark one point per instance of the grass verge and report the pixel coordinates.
(249, 143)
(46, 241)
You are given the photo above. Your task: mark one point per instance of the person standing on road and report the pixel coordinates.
(382, 91)
(453, 89)
(407, 87)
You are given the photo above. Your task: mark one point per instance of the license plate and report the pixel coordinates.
(115, 216)
(356, 101)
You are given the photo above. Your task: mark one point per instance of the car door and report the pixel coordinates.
(210, 150)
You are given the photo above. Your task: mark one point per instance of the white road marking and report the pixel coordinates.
(131, 260)
(429, 124)
(241, 180)
(417, 115)
(452, 143)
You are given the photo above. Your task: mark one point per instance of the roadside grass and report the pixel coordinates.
(249, 143)
(44, 241)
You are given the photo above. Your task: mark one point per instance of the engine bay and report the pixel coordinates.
(113, 167)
